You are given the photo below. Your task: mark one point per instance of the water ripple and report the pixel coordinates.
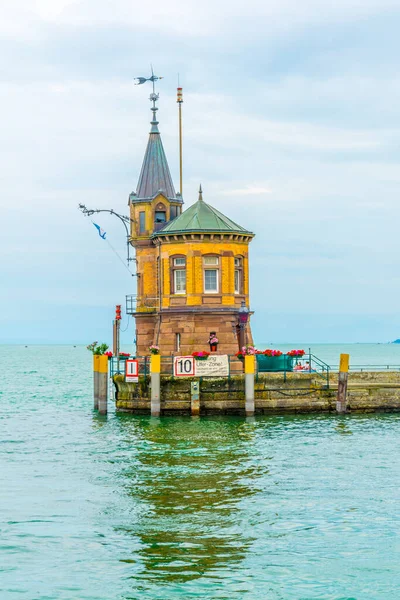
(300, 507)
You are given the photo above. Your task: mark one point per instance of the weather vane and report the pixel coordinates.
(153, 96)
(153, 79)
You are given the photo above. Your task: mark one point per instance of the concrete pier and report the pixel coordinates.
(274, 393)
(155, 369)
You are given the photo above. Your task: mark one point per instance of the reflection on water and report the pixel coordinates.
(190, 481)
(343, 428)
(128, 508)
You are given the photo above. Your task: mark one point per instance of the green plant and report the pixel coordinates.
(96, 348)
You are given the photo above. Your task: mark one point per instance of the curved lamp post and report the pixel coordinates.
(124, 220)
(243, 320)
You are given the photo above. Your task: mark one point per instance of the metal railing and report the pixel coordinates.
(117, 366)
(136, 303)
(314, 366)
(307, 364)
(361, 368)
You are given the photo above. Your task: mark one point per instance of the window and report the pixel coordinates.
(237, 281)
(179, 262)
(173, 212)
(211, 260)
(238, 274)
(142, 222)
(178, 283)
(177, 342)
(159, 216)
(210, 280)
(211, 275)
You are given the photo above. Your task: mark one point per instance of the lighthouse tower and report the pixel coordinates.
(192, 266)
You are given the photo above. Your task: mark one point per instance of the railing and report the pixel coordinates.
(308, 363)
(361, 368)
(235, 366)
(319, 367)
(135, 304)
(117, 366)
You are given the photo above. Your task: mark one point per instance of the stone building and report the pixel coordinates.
(192, 265)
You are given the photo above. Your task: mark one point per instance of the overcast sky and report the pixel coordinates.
(291, 123)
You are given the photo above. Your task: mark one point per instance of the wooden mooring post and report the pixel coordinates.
(249, 370)
(95, 381)
(195, 398)
(103, 383)
(341, 401)
(155, 370)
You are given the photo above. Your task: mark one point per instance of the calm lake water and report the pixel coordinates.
(124, 507)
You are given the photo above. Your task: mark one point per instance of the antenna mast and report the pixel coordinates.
(179, 100)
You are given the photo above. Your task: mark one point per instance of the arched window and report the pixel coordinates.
(160, 216)
(238, 275)
(178, 272)
(211, 268)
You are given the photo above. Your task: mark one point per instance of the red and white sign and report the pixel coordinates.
(132, 370)
(184, 366)
(214, 366)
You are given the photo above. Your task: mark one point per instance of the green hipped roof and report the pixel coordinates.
(201, 217)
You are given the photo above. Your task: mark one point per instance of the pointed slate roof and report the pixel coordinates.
(155, 176)
(202, 217)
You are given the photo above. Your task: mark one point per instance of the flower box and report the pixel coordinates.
(203, 355)
(274, 363)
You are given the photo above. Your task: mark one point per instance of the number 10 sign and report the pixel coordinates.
(184, 366)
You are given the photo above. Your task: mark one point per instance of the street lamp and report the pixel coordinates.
(125, 220)
(243, 319)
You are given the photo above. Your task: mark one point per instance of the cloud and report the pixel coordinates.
(289, 123)
(190, 18)
(249, 190)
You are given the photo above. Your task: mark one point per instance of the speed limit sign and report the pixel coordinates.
(184, 366)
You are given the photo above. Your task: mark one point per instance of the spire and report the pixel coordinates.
(200, 194)
(155, 176)
(154, 122)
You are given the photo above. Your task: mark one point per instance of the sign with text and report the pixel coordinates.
(214, 366)
(132, 370)
(184, 366)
